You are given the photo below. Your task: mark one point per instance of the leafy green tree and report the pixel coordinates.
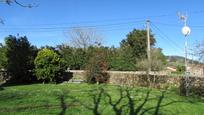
(123, 59)
(20, 55)
(75, 57)
(49, 66)
(79, 59)
(137, 40)
(67, 54)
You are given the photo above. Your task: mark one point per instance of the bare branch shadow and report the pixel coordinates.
(132, 107)
(159, 105)
(117, 110)
(96, 101)
(62, 104)
(131, 103)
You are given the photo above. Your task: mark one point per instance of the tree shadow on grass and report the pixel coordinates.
(62, 104)
(96, 98)
(118, 105)
(124, 102)
(127, 103)
(159, 105)
(131, 104)
(117, 110)
(135, 106)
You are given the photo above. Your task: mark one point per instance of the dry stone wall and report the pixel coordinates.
(156, 81)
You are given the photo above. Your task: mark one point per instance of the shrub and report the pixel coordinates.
(180, 69)
(97, 66)
(49, 66)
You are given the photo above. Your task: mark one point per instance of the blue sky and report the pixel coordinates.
(49, 23)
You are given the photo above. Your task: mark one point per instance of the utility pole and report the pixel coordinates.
(185, 31)
(148, 47)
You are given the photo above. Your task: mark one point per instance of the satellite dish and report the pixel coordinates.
(186, 30)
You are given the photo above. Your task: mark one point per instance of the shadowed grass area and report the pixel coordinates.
(86, 99)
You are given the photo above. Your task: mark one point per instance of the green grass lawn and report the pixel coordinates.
(85, 99)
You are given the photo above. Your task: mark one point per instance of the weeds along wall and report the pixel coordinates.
(135, 79)
(156, 81)
(196, 86)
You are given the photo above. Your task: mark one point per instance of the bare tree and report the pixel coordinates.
(199, 51)
(84, 37)
(10, 2)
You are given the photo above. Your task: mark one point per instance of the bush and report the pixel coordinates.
(49, 66)
(97, 66)
(158, 61)
(180, 69)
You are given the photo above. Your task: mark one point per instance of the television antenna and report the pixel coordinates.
(185, 31)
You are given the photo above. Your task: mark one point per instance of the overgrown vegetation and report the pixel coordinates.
(97, 66)
(158, 61)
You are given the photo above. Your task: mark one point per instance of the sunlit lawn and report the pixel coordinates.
(85, 99)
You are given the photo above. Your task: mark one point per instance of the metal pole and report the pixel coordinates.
(186, 44)
(186, 67)
(186, 31)
(148, 47)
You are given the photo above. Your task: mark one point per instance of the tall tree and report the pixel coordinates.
(84, 37)
(137, 40)
(199, 50)
(20, 56)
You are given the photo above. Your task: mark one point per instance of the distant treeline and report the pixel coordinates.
(26, 62)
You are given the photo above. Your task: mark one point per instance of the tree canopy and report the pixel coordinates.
(20, 58)
(49, 66)
(137, 40)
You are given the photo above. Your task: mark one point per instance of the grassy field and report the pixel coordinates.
(85, 99)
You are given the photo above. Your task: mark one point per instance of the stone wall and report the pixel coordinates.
(196, 86)
(135, 79)
(156, 81)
